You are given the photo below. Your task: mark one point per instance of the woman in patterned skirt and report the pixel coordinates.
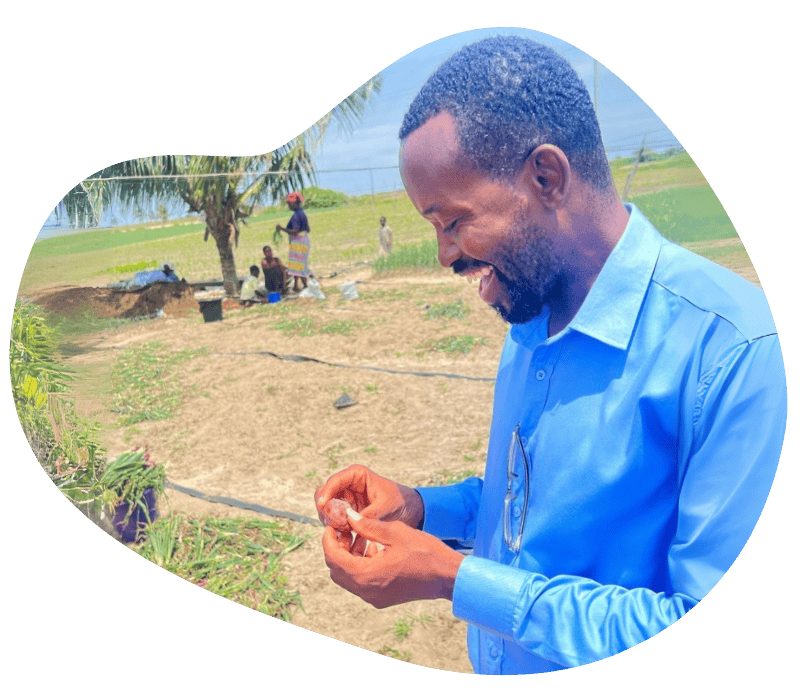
(299, 243)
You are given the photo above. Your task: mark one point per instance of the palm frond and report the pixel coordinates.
(209, 181)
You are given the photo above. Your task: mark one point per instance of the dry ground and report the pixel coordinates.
(264, 430)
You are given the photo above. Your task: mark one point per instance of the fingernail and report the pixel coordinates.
(353, 514)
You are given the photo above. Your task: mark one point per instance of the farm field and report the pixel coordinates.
(417, 351)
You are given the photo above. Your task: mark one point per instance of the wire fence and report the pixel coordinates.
(356, 181)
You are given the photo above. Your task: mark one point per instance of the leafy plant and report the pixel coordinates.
(130, 475)
(38, 385)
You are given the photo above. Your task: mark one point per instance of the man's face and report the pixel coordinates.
(383, 222)
(495, 231)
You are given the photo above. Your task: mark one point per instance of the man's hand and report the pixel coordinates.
(411, 565)
(372, 496)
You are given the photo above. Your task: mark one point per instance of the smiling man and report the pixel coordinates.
(640, 401)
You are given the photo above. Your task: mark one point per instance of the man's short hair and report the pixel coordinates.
(254, 270)
(509, 95)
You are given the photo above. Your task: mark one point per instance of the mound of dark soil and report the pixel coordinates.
(174, 298)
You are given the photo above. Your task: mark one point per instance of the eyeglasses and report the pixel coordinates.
(517, 473)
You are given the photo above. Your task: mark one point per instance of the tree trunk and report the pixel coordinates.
(230, 279)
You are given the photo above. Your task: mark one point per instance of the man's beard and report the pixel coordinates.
(528, 269)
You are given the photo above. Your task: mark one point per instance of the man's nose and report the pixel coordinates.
(449, 252)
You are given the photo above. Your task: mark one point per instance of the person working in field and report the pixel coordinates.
(639, 404)
(274, 272)
(299, 243)
(385, 239)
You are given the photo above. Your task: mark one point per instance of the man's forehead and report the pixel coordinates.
(437, 136)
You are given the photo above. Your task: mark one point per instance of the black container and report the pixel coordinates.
(130, 529)
(211, 310)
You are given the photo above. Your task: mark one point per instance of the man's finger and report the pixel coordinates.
(369, 529)
(334, 547)
(349, 479)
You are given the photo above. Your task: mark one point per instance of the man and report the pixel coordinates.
(385, 239)
(640, 398)
(165, 274)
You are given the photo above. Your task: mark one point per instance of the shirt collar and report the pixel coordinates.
(611, 308)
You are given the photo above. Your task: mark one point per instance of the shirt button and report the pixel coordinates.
(493, 652)
(540, 374)
(517, 511)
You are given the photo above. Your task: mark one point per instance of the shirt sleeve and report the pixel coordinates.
(451, 511)
(737, 428)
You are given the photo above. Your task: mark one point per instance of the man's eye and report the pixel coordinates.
(450, 227)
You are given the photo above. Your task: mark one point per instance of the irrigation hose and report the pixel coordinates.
(235, 503)
(304, 358)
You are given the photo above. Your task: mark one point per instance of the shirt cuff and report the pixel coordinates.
(486, 594)
(446, 513)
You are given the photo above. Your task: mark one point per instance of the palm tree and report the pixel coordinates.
(225, 189)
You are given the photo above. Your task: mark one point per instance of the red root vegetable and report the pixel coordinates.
(335, 514)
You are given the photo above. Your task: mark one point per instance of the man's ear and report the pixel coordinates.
(548, 175)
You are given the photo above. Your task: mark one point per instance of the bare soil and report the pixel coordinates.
(257, 427)
(264, 430)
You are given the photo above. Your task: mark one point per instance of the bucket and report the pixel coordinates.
(131, 531)
(274, 297)
(211, 309)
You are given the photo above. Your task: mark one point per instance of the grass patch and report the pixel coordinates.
(402, 627)
(132, 267)
(98, 240)
(69, 327)
(687, 214)
(455, 344)
(423, 255)
(306, 326)
(449, 310)
(146, 383)
(386, 650)
(237, 559)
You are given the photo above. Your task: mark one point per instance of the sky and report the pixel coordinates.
(624, 117)
(365, 161)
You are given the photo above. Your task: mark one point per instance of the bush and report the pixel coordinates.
(65, 446)
(318, 198)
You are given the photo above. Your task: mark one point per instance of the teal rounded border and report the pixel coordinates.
(89, 89)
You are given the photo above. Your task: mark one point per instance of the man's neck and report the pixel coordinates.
(595, 236)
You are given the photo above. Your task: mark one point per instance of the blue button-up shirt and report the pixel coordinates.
(629, 459)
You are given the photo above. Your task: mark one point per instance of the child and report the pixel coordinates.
(247, 294)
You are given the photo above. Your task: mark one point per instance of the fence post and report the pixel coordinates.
(639, 155)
